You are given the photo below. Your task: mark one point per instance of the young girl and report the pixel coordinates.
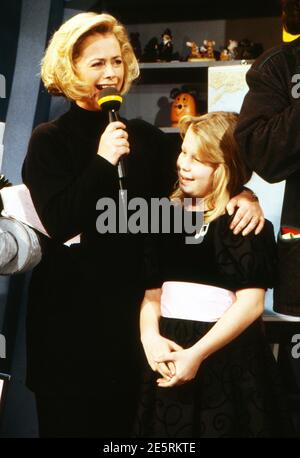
(200, 317)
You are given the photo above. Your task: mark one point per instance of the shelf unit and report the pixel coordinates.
(149, 98)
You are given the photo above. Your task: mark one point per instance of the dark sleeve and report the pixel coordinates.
(246, 262)
(268, 127)
(160, 151)
(64, 198)
(151, 263)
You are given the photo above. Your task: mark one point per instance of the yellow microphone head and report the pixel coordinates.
(109, 99)
(287, 37)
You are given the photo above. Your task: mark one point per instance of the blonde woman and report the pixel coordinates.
(82, 327)
(213, 373)
(82, 331)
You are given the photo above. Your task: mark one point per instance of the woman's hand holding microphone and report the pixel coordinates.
(114, 142)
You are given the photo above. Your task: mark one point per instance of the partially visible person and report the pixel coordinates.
(269, 138)
(200, 317)
(82, 324)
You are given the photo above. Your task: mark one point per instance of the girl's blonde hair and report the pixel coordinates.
(214, 133)
(58, 70)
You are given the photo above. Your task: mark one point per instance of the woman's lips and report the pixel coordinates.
(104, 86)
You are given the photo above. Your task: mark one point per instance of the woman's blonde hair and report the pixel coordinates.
(214, 133)
(58, 70)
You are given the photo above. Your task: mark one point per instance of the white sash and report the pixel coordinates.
(194, 301)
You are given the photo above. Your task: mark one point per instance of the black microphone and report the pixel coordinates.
(110, 101)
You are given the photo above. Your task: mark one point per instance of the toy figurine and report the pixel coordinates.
(232, 45)
(184, 104)
(207, 50)
(248, 50)
(195, 53)
(165, 47)
(229, 53)
(151, 51)
(160, 52)
(224, 56)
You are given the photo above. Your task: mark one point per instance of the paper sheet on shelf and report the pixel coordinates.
(17, 204)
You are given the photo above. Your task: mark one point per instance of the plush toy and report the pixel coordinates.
(184, 104)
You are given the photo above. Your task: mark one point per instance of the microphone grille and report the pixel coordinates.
(109, 99)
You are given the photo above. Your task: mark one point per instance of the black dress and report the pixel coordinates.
(236, 392)
(82, 322)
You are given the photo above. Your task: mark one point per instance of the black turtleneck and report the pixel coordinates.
(79, 291)
(66, 176)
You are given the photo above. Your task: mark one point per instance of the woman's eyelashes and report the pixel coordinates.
(102, 63)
